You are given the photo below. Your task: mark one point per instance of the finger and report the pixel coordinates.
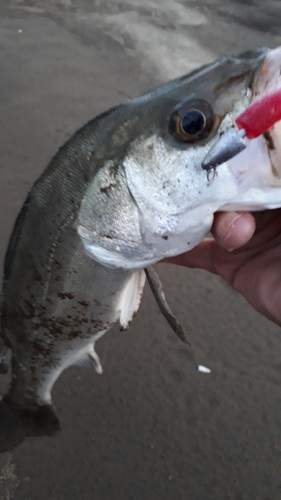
(202, 256)
(233, 229)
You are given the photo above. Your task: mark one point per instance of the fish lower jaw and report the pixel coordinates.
(255, 167)
(258, 185)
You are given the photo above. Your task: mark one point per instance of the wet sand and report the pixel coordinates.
(152, 426)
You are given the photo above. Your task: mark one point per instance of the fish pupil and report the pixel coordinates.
(193, 122)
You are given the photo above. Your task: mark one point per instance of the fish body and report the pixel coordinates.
(56, 300)
(124, 192)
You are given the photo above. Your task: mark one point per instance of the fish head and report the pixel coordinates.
(149, 198)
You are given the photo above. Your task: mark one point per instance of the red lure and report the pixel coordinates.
(261, 115)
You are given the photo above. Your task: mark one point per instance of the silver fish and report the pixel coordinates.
(124, 192)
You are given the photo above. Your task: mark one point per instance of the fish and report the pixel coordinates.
(126, 191)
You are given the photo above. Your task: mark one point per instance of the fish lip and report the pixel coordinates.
(257, 55)
(267, 81)
(267, 75)
(253, 54)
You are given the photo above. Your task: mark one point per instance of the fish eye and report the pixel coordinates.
(192, 121)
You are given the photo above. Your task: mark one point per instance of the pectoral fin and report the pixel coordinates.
(157, 290)
(131, 299)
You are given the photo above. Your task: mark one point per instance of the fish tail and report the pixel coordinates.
(18, 423)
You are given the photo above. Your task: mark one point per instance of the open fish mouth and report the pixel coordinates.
(267, 81)
(257, 169)
(268, 77)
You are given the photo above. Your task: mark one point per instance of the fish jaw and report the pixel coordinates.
(257, 169)
(258, 185)
(267, 81)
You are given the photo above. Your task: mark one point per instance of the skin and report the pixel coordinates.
(246, 252)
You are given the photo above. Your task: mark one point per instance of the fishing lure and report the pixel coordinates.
(253, 122)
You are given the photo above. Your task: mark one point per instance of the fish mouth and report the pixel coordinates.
(267, 78)
(267, 81)
(260, 162)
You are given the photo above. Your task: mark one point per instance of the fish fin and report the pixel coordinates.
(17, 423)
(131, 299)
(91, 360)
(96, 360)
(157, 290)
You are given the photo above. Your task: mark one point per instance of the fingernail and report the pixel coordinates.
(226, 229)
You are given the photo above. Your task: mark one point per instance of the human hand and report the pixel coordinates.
(253, 267)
